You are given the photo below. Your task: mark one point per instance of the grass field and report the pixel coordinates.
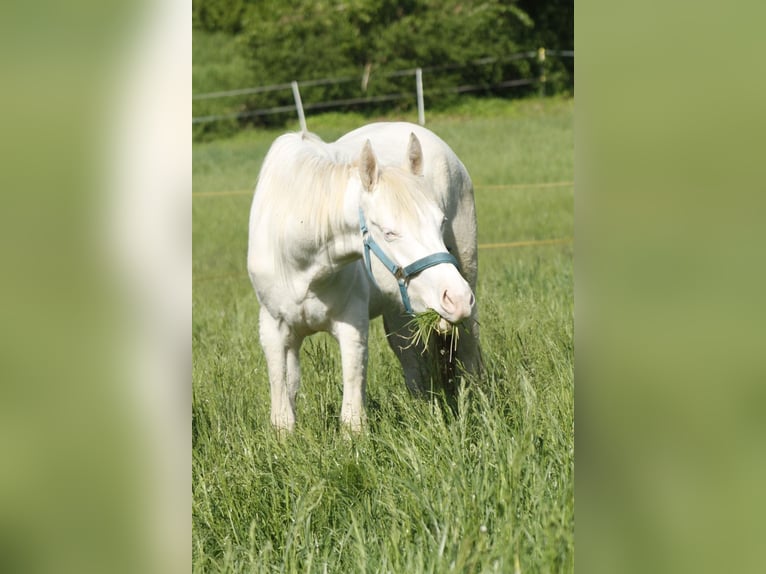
(488, 490)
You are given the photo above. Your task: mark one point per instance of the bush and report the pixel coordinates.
(218, 15)
(278, 42)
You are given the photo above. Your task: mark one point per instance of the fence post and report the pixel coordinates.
(541, 63)
(299, 106)
(419, 89)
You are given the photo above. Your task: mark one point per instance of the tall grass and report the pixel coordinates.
(423, 489)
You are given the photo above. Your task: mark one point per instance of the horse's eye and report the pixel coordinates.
(444, 222)
(390, 235)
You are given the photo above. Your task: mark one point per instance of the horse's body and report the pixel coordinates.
(305, 255)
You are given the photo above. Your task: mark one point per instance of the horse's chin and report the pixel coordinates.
(443, 326)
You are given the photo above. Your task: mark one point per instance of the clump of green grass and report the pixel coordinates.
(424, 325)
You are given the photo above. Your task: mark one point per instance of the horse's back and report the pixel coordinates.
(393, 137)
(390, 140)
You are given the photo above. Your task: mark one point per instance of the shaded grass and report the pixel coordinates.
(423, 490)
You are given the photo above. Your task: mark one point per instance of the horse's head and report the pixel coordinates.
(403, 227)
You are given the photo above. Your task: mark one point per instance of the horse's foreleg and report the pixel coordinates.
(282, 357)
(352, 338)
(468, 349)
(399, 339)
(461, 234)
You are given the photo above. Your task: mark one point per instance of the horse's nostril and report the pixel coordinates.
(472, 300)
(447, 303)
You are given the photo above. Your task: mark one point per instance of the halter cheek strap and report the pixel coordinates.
(401, 274)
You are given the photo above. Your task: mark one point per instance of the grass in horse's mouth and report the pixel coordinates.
(425, 324)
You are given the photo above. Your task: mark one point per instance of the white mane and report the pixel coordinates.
(301, 180)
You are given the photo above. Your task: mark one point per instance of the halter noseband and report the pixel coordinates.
(401, 274)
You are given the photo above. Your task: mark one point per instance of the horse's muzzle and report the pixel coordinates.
(456, 306)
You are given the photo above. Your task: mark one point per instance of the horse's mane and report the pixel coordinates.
(305, 179)
(301, 179)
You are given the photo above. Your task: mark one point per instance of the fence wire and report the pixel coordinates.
(406, 95)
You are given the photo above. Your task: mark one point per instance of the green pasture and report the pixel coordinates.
(487, 490)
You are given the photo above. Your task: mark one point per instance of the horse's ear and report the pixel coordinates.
(414, 155)
(368, 167)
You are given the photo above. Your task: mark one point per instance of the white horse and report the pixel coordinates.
(317, 214)
(450, 187)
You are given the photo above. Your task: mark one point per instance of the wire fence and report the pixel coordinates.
(540, 79)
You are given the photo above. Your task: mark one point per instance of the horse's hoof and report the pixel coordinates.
(283, 426)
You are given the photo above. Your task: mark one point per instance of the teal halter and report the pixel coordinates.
(401, 274)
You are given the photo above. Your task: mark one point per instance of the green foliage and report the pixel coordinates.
(320, 40)
(218, 15)
(218, 64)
(553, 23)
(423, 490)
(553, 29)
(365, 41)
